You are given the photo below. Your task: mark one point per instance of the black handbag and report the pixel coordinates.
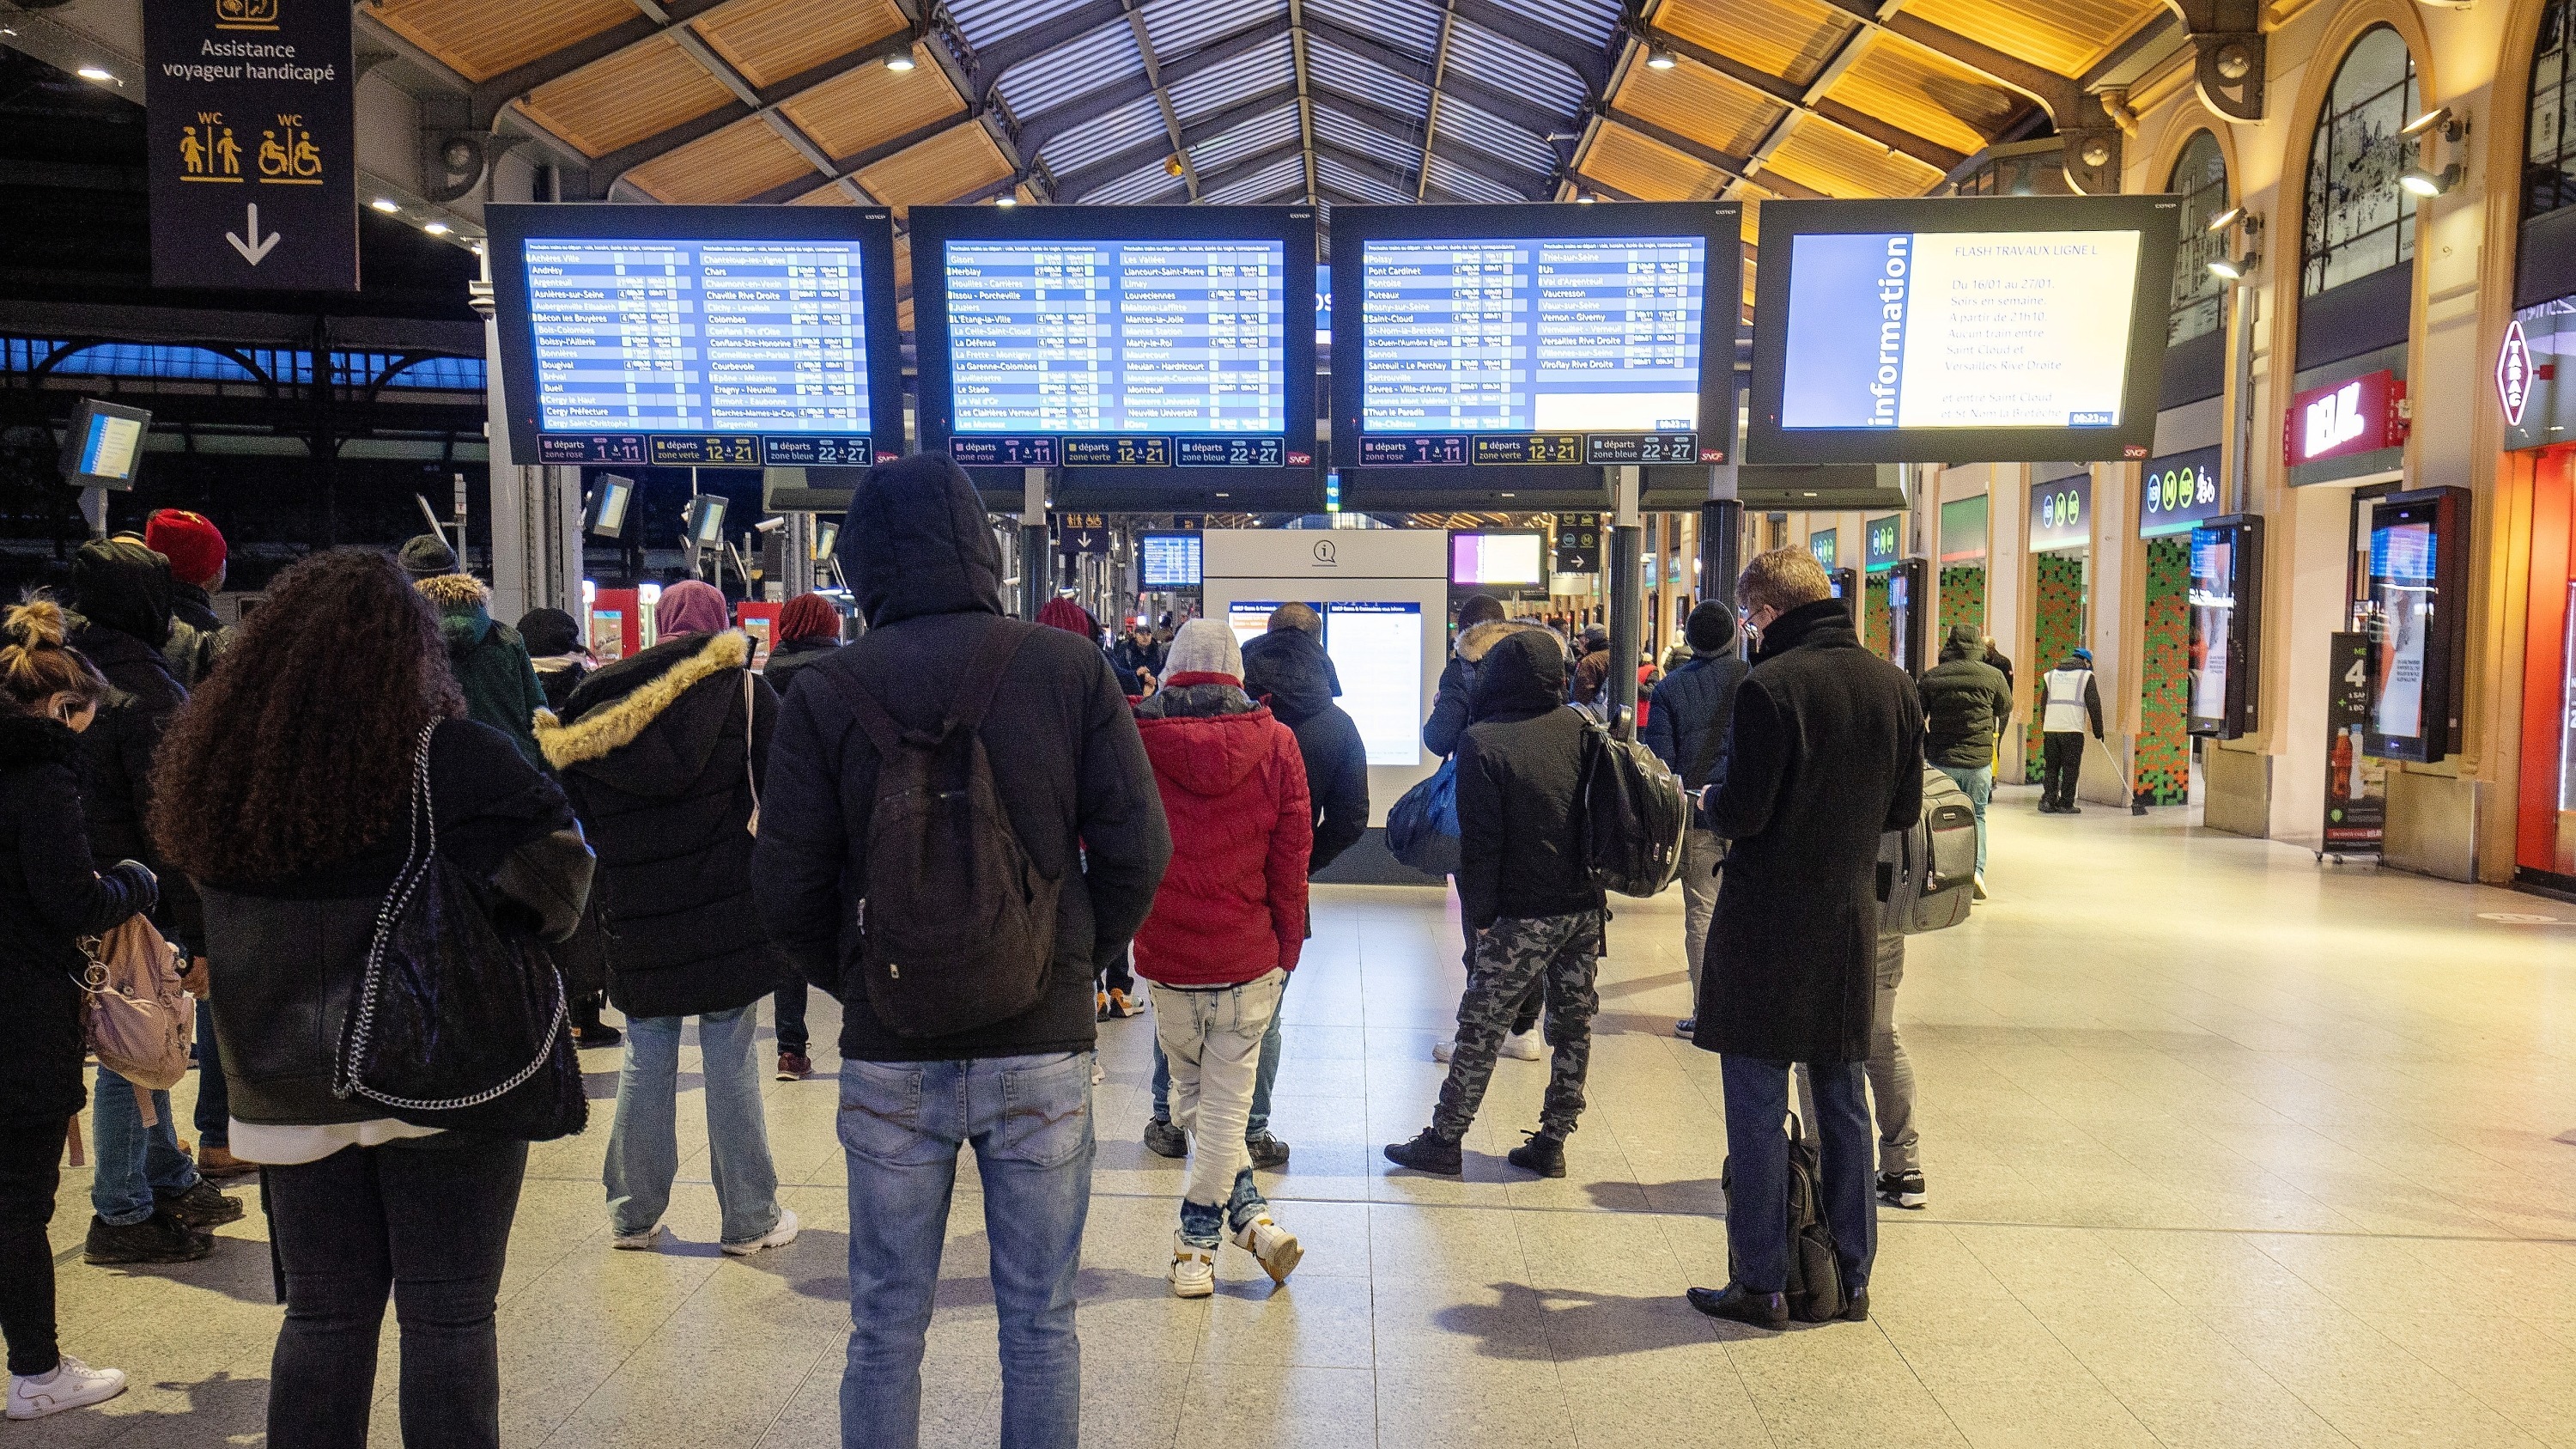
(459, 1023)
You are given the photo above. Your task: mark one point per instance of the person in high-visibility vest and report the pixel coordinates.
(2068, 701)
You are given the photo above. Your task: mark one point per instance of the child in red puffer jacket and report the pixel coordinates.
(1224, 933)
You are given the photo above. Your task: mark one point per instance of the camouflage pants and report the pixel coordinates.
(1515, 960)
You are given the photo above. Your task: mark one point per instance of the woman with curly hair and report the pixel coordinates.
(283, 790)
(49, 899)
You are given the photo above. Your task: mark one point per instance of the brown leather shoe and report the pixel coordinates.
(220, 1164)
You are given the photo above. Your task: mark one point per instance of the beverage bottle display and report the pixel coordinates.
(2342, 763)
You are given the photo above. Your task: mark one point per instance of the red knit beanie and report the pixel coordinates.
(190, 541)
(808, 616)
(1067, 615)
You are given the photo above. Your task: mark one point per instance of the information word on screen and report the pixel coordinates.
(1494, 558)
(1171, 560)
(700, 352)
(1119, 354)
(1958, 329)
(1570, 350)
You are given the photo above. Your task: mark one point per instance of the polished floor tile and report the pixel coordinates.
(2223, 1150)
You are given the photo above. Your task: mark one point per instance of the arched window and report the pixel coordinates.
(2200, 179)
(2549, 153)
(2359, 220)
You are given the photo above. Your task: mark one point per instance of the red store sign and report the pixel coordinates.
(2335, 421)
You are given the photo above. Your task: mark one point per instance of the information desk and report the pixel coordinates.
(676, 335)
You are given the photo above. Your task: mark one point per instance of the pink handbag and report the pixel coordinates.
(138, 1018)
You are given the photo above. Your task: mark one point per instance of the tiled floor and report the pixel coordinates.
(2223, 1149)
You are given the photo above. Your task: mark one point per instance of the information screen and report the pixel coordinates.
(1172, 560)
(2213, 609)
(1377, 650)
(1495, 558)
(2026, 329)
(108, 449)
(2402, 580)
(740, 336)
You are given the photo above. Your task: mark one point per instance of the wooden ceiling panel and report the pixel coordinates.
(1648, 169)
(830, 193)
(1792, 39)
(770, 40)
(957, 161)
(742, 160)
(620, 99)
(479, 39)
(1929, 95)
(1697, 102)
(861, 109)
(1838, 163)
(2069, 37)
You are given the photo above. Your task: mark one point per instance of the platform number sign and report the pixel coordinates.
(252, 130)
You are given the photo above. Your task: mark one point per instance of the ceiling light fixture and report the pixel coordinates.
(2430, 184)
(2226, 219)
(435, 228)
(2441, 116)
(900, 61)
(95, 73)
(2235, 269)
(1660, 60)
(386, 205)
(1006, 201)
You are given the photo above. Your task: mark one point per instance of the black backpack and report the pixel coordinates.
(956, 924)
(1632, 814)
(1815, 1286)
(1927, 876)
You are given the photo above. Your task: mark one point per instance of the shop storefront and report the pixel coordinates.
(2536, 386)
(2060, 545)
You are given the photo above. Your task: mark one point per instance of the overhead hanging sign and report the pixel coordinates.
(2061, 513)
(253, 132)
(1881, 540)
(1578, 543)
(2179, 491)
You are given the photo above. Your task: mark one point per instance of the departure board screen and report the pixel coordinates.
(1126, 354)
(1582, 350)
(746, 339)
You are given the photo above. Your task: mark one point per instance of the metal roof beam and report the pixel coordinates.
(2227, 44)
(1252, 165)
(1739, 167)
(1305, 101)
(1431, 113)
(491, 96)
(1162, 97)
(2092, 137)
(1510, 107)
(990, 63)
(1081, 181)
(1377, 118)
(1037, 130)
(1592, 63)
(612, 165)
(1805, 100)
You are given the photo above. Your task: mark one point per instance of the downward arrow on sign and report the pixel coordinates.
(257, 248)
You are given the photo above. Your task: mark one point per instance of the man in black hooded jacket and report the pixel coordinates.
(1070, 770)
(1686, 727)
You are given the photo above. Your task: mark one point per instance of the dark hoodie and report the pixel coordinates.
(121, 595)
(1287, 671)
(1519, 766)
(1692, 709)
(652, 750)
(1060, 738)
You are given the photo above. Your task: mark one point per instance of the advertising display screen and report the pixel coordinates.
(685, 335)
(1141, 345)
(2015, 329)
(2225, 599)
(1171, 560)
(1496, 558)
(1377, 650)
(1534, 338)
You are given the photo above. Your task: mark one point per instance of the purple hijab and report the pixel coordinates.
(691, 607)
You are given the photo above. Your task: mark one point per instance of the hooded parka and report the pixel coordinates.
(492, 666)
(1286, 671)
(1520, 765)
(1233, 904)
(121, 593)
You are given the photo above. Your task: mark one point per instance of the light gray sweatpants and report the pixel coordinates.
(1891, 1074)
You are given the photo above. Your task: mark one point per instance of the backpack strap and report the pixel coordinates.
(984, 673)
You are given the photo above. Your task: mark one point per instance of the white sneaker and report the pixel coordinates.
(1193, 1269)
(779, 1236)
(637, 1242)
(72, 1385)
(1442, 1051)
(1275, 1246)
(1525, 1046)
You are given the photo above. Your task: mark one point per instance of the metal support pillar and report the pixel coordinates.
(796, 555)
(1036, 573)
(1721, 537)
(2239, 453)
(1627, 591)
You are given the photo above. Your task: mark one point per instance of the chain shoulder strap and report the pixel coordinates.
(422, 820)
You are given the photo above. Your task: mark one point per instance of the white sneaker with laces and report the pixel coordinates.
(637, 1242)
(1442, 1051)
(1525, 1046)
(778, 1237)
(72, 1385)
(1193, 1269)
(1275, 1246)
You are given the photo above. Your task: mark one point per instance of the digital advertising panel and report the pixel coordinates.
(2225, 597)
(734, 336)
(1505, 559)
(1518, 350)
(2415, 612)
(1961, 329)
(1147, 352)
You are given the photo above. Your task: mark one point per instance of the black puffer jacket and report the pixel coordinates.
(121, 592)
(1287, 671)
(290, 954)
(791, 658)
(651, 750)
(1826, 756)
(1065, 754)
(49, 899)
(1690, 713)
(1519, 766)
(1966, 703)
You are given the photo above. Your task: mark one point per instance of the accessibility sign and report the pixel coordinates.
(252, 127)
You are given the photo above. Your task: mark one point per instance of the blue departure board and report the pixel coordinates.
(1118, 354)
(677, 351)
(1578, 350)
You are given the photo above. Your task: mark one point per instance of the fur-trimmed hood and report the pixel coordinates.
(454, 593)
(1481, 638)
(642, 724)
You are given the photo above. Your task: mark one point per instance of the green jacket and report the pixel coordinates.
(500, 685)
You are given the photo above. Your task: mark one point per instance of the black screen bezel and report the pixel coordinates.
(2447, 510)
(2240, 702)
(1296, 487)
(1719, 223)
(2153, 217)
(1155, 588)
(510, 226)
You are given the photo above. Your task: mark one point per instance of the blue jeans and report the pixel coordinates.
(787, 1008)
(1979, 785)
(133, 1159)
(644, 1145)
(1254, 1125)
(901, 1125)
(1757, 1146)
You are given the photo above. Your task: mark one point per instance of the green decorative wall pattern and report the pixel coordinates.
(1875, 628)
(2057, 619)
(2163, 757)
(1963, 600)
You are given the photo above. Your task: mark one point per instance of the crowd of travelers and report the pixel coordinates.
(369, 800)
